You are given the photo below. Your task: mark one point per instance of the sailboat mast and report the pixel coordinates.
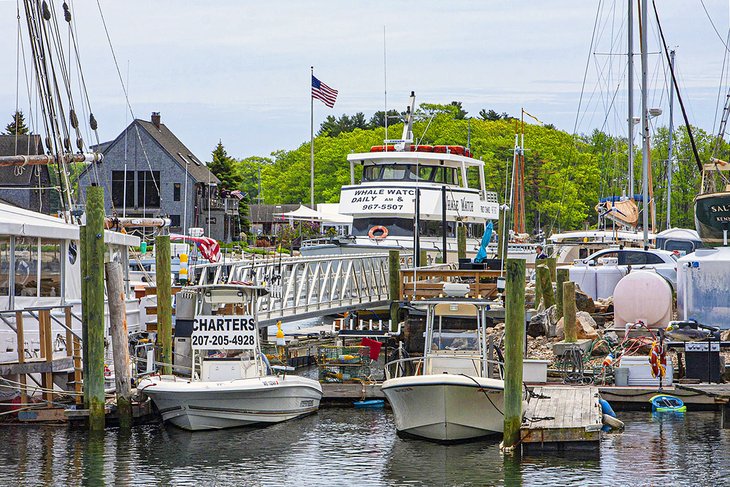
(671, 145)
(630, 88)
(644, 123)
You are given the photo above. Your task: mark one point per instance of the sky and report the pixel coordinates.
(238, 71)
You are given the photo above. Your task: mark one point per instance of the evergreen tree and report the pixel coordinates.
(17, 126)
(222, 167)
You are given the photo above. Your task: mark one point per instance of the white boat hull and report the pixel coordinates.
(446, 407)
(198, 406)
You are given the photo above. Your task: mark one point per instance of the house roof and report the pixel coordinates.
(29, 145)
(177, 150)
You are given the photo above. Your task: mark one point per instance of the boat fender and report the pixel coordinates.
(613, 422)
(378, 232)
(606, 408)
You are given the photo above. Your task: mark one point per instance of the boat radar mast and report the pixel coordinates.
(404, 143)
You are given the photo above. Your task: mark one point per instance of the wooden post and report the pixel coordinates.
(461, 241)
(83, 254)
(501, 241)
(546, 286)
(46, 339)
(423, 260)
(164, 301)
(513, 351)
(563, 275)
(94, 357)
(120, 342)
(394, 287)
(571, 333)
(552, 264)
(21, 356)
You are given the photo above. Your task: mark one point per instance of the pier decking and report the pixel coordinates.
(559, 417)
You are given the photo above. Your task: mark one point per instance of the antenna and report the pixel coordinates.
(385, 88)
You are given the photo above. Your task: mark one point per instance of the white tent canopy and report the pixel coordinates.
(26, 223)
(302, 213)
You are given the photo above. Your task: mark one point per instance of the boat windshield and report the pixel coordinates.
(467, 340)
(411, 172)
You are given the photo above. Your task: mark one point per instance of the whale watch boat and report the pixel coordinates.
(447, 395)
(408, 193)
(232, 384)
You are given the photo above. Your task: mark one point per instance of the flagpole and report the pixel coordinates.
(311, 141)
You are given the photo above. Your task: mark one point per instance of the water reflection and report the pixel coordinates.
(348, 446)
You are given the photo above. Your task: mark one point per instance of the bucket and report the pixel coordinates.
(621, 376)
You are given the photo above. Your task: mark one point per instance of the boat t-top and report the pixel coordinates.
(409, 189)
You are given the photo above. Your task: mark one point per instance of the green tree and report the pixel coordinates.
(17, 125)
(378, 118)
(222, 165)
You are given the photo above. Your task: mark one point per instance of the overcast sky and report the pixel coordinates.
(238, 71)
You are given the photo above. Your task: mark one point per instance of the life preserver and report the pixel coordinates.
(383, 232)
(658, 360)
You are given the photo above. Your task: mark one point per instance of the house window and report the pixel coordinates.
(118, 184)
(148, 195)
(176, 192)
(175, 221)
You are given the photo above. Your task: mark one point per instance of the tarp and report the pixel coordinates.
(486, 238)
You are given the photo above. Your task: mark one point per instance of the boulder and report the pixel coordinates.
(585, 324)
(542, 323)
(583, 302)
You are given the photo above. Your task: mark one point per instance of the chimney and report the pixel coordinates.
(156, 119)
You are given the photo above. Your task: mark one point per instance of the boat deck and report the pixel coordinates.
(559, 417)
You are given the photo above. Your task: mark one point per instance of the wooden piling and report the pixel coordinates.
(164, 301)
(562, 276)
(394, 287)
(120, 341)
(83, 254)
(513, 351)
(546, 286)
(552, 264)
(503, 232)
(461, 240)
(21, 355)
(94, 378)
(569, 326)
(423, 258)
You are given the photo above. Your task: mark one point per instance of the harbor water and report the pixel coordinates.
(346, 446)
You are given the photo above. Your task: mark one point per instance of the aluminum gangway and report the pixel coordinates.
(306, 287)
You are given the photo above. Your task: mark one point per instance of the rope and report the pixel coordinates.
(483, 392)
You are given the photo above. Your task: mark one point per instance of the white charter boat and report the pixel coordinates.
(449, 396)
(225, 392)
(401, 196)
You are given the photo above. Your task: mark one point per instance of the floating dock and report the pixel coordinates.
(561, 417)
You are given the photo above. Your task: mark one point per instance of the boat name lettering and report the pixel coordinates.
(722, 219)
(224, 323)
(720, 208)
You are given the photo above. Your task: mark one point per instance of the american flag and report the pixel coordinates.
(208, 247)
(322, 92)
(238, 194)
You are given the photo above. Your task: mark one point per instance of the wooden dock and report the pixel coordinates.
(560, 417)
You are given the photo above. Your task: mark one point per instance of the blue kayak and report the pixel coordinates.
(663, 403)
(370, 404)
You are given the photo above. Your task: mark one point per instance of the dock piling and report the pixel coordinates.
(461, 241)
(94, 359)
(563, 275)
(394, 287)
(83, 254)
(546, 286)
(164, 301)
(569, 327)
(120, 344)
(513, 351)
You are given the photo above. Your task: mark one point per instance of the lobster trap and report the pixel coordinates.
(343, 364)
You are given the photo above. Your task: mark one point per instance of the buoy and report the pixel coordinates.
(614, 423)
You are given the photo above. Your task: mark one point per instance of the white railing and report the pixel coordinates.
(306, 287)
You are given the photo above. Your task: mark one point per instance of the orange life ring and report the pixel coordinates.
(378, 228)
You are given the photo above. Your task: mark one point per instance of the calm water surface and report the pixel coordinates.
(347, 447)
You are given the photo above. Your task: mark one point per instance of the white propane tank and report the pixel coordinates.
(643, 296)
(703, 280)
(607, 278)
(585, 277)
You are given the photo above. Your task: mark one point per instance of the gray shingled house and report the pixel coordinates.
(162, 179)
(25, 187)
